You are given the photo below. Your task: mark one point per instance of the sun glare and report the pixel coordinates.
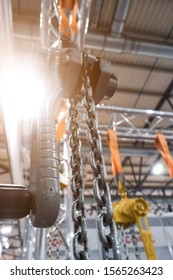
(22, 92)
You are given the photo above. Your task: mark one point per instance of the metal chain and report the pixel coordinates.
(135, 243)
(123, 242)
(57, 239)
(51, 237)
(101, 191)
(80, 242)
(50, 244)
(51, 240)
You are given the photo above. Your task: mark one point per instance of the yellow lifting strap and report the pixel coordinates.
(162, 146)
(129, 210)
(65, 25)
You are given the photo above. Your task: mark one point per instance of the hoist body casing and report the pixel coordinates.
(134, 211)
(73, 64)
(103, 82)
(126, 209)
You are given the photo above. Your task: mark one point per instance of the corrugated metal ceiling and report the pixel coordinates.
(152, 17)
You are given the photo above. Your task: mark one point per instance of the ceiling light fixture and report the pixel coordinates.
(158, 169)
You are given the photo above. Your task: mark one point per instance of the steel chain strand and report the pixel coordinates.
(80, 242)
(57, 239)
(123, 242)
(134, 240)
(101, 190)
(50, 244)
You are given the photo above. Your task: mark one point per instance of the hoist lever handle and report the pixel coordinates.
(15, 201)
(146, 236)
(44, 174)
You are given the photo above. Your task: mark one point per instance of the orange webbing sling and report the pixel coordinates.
(64, 26)
(113, 145)
(162, 146)
(117, 169)
(61, 125)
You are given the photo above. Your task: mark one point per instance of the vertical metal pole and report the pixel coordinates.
(40, 244)
(10, 123)
(6, 30)
(28, 234)
(45, 23)
(83, 22)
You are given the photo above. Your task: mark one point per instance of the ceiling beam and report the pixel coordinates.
(111, 44)
(160, 103)
(95, 41)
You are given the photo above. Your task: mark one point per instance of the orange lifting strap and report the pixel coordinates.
(61, 125)
(64, 27)
(162, 146)
(113, 145)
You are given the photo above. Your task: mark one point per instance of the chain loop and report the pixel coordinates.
(80, 247)
(134, 240)
(123, 242)
(100, 187)
(50, 244)
(57, 239)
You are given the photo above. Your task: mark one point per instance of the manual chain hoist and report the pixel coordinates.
(97, 82)
(83, 78)
(88, 79)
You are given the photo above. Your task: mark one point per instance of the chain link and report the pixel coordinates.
(54, 232)
(135, 243)
(101, 190)
(50, 244)
(80, 242)
(57, 239)
(123, 242)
